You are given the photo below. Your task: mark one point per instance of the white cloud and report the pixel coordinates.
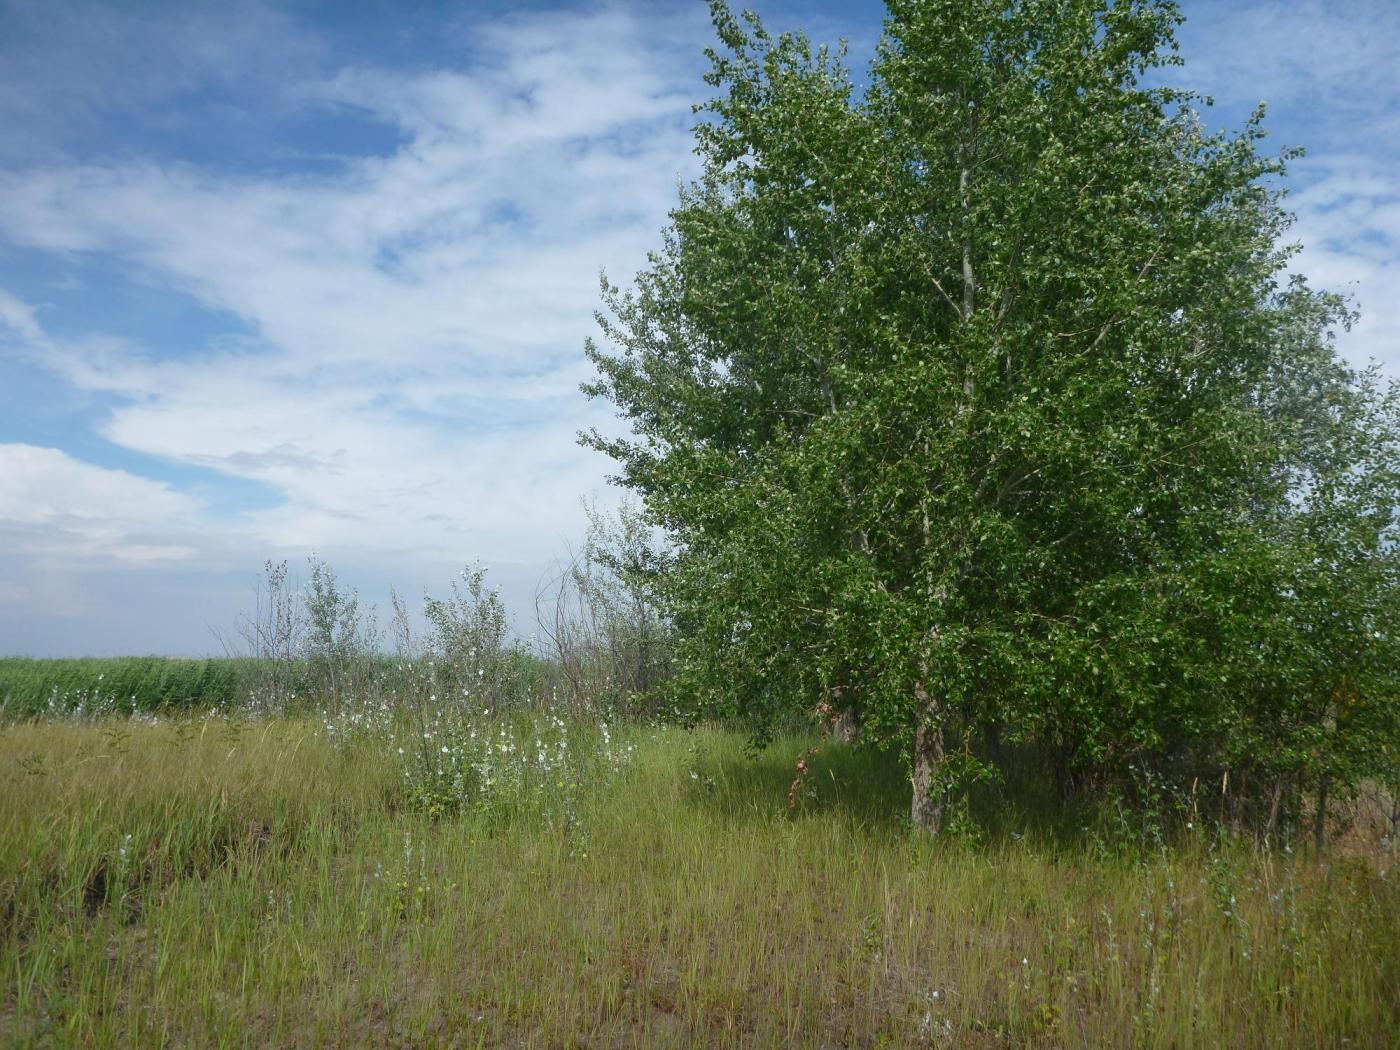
(410, 385)
(54, 505)
(1330, 73)
(1340, 58)
(1349, 224)
(18, 318)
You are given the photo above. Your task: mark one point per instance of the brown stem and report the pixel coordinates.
(1274, 806)
(1320, 825)
(926, 808)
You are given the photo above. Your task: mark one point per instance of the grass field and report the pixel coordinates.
(242, 883)
(124, 685)
(119, 684)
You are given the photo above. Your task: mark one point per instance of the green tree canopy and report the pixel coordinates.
(982, 401)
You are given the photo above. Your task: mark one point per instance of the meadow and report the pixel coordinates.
(1063, 600)
(437, 876)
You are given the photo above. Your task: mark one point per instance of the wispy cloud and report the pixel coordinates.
(408, 380)
(18, 322)
(54, 506)
(1330, 74)
(1339, 59)
(80, 75)
(1349, 224)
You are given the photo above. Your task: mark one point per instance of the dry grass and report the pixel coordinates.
(224, 883)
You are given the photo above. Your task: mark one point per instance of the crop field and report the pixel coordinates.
(533, 880)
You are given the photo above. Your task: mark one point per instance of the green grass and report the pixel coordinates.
(158, 684)
(119, 684)
(214, 882)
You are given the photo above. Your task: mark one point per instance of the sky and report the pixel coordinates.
(278, 279)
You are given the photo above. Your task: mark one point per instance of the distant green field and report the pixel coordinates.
(121, 684)
(144, 684)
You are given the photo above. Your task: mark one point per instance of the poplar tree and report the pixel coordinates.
(980, 403)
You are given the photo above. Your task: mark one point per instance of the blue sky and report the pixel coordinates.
(277, 278)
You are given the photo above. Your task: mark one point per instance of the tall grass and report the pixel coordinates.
(95, 687)
(215, 881)
(119, 685)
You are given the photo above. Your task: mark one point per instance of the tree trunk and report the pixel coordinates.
(846, 727)
(1395, 820)
(1236, 805)
(1274, 806)
(1320, 824)
(992, 732)
(926, 808)
(969, 277)
(1060, 767)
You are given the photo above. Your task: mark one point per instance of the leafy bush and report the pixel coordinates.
(537, 766)
(473, 656)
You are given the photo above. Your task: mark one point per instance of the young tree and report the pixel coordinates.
(980, 400)
(597, 616)
(469, 636)
(340, 637)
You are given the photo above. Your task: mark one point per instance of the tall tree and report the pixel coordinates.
(980, 401)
